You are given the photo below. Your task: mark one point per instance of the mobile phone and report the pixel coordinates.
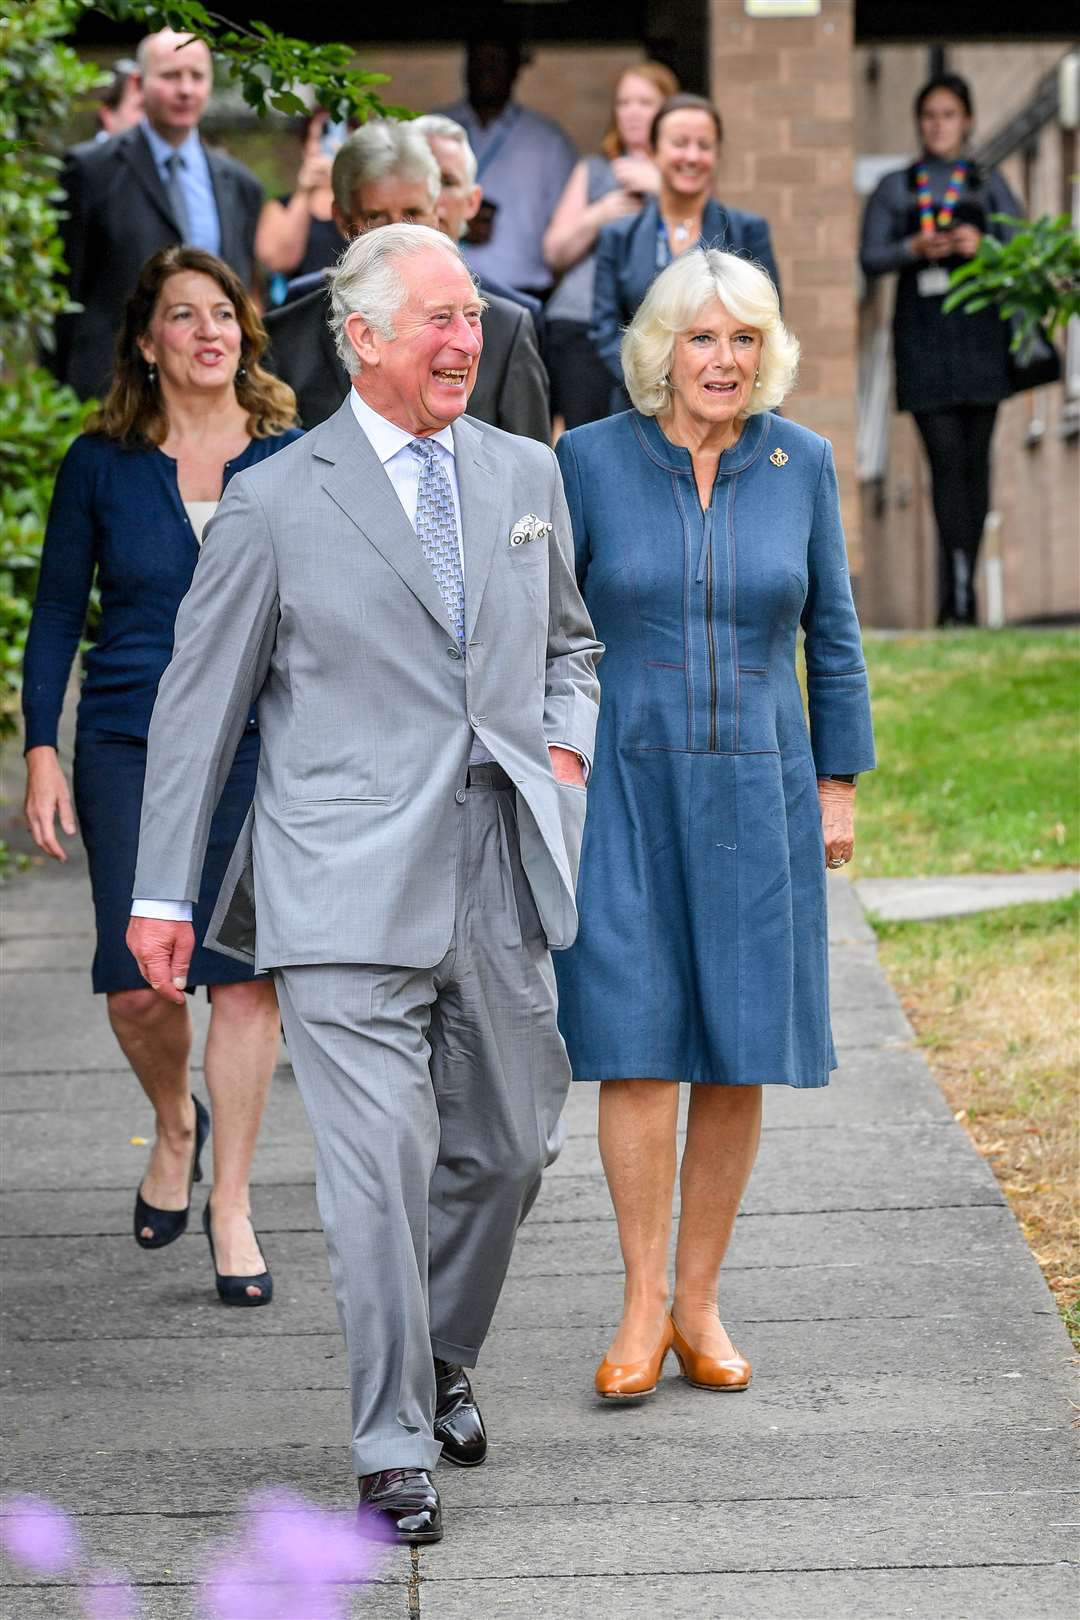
(334, 133)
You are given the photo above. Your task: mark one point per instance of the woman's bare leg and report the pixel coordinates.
(155, 1037)
(637, 1147)
(722, 1134)
(241, 1050)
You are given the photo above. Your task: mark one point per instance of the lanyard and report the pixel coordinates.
(944, 217)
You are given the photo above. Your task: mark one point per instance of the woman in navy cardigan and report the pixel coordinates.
(685, 143)
(707, 531)
(189, 407)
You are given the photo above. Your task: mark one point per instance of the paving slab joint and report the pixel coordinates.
(414, 1583)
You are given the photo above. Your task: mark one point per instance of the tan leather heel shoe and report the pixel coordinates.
(709, 1372)
(636, 1378)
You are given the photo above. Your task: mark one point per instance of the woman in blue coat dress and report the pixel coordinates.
(707, 531)
(189, 407)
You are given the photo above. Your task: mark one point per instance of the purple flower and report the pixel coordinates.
(233, 1592)
(303, 1544)
(38, 1535)
(111, 1597)
(241, 1589)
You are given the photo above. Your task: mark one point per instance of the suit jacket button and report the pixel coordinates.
(461, 795)
(452, 652)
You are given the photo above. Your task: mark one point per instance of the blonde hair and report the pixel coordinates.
(656, 74)
(673, 303)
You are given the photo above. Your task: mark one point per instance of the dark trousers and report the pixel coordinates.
(957, 442)
(581, 384)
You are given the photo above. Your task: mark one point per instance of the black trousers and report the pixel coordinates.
(957, 442)
(581, 384)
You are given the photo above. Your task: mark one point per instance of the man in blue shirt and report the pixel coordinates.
(140, 191)
(524, 161)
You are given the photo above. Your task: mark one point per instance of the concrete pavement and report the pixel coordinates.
(921, 899)
(904, 1450)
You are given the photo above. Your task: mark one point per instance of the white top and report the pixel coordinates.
(199, 514)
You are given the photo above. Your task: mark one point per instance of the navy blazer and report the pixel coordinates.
(626, 265)
(118, 214)
(116, 517)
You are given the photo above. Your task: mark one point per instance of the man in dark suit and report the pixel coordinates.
(385, 174)
(141, 190)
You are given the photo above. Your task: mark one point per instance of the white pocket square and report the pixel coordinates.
(527, 528)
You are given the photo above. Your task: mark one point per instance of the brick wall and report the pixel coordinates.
(570, 83)
(785, 88)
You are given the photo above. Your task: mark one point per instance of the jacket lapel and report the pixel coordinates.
(481, 502)
(230, 222)
(138, 156)
(716, 228)
(641, 262)
(357, 483)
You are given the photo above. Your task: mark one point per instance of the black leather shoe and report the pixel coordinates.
(458, 1424)
(401, 1504)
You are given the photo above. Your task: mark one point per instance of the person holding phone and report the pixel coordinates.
(605, 186)
(952, 370)
(297, 234)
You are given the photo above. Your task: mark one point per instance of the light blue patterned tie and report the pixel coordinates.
(436, 530)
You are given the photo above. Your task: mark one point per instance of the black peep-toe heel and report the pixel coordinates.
(168, 1224)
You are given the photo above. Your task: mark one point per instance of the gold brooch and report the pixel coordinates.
(779, 458)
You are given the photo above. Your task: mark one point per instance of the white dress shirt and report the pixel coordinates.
(196, 183)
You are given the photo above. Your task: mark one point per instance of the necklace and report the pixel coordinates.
(944, 214)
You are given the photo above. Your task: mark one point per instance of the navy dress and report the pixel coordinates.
(117, 514)
(702, 953)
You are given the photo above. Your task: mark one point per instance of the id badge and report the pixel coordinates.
(933, 282)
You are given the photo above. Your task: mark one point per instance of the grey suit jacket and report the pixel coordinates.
(312, 597)
(511, 390)
(118, 215)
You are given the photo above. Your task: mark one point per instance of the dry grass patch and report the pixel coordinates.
(995, 1002)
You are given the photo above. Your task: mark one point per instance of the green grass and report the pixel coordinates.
(979, 764)
(980, 932)
(994, 999)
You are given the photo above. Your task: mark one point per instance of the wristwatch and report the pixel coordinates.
(834, 778)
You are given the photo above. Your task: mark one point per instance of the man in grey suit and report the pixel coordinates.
(135, 193)
(385, 174)
(396, 591)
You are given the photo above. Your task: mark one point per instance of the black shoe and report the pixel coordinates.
(458, 1424)
(234, 1290)
(402, 1502)
(168, 1224)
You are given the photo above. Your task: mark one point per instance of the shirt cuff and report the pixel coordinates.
(163, 910)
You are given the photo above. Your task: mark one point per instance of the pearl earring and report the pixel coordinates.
(151, 373)
(757, 380)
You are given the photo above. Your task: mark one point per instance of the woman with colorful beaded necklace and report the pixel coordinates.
(952, 370)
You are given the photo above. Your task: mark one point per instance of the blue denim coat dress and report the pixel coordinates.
(702, 953)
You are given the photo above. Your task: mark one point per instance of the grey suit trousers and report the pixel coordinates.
(434, 1096)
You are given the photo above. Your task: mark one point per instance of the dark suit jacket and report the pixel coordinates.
(118, 215)
(511, 389)
(626, 265)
